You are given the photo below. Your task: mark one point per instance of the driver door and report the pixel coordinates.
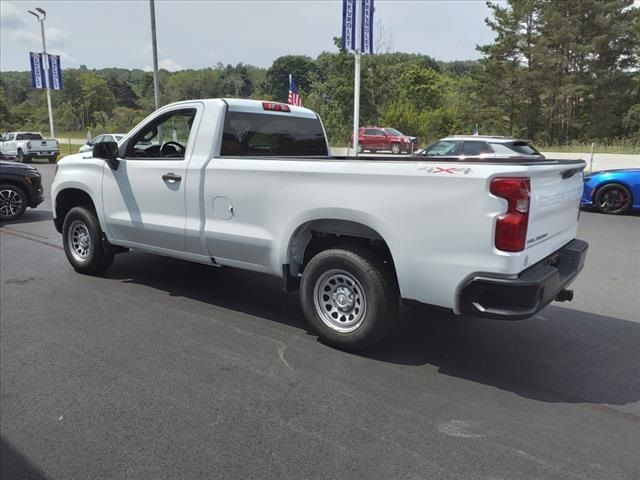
(144, 199)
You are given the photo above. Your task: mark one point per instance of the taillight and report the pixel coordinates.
(29, 144)
(276, 107)
(511, 228)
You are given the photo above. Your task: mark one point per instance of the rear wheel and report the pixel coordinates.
(360, 149)
(395, 148)
(613, 198)
(13, 202)
(83, 244)
(349, 297)
(52, 159)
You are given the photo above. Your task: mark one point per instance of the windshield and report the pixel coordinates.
(395, 132)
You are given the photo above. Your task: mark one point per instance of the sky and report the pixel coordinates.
(197, 34)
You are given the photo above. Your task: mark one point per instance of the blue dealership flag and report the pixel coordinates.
(349, 24)
(37, 70)
(55, 72)
(366, 27)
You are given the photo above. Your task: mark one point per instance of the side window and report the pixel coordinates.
(379, 133)
(441, 148)
(370, 131)
(98, 139)
(21, 136)
(164, 137)
(472, 148)
(262, 134)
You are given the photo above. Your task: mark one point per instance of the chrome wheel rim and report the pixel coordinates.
(79, 241)
(340, 300)
(10, 202)
(395, 148)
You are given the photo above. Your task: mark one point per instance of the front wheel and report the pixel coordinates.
(349, 298)
(82, 240)
(395, 148)
(613, 198)
(13, 202)
(21, 157)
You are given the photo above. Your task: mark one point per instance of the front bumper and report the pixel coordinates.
(522, 297)
(38, 196)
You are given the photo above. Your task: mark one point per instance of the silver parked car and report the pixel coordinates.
(481, 146)
(107, 137)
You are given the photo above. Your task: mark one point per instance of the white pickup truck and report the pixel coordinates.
(25, 146)
(251, 185)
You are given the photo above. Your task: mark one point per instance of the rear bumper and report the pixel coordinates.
(522, 297)
(43, 153)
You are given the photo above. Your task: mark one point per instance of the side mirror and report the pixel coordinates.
(107, 151)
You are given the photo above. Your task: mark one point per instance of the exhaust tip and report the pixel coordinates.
(564, 295)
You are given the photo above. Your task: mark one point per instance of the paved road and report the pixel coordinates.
(164, 369)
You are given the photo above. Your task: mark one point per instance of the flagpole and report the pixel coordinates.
(356, 88)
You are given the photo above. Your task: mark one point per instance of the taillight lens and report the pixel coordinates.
(511, 228)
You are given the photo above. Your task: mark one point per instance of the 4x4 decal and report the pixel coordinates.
(448, 170)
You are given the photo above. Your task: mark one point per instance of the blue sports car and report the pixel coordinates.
(612, 191)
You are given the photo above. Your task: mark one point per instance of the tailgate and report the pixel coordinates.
(42, 145)
(555, 205)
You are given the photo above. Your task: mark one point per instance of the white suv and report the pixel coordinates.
(482, 146)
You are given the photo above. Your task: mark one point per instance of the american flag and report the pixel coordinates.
(294, 96)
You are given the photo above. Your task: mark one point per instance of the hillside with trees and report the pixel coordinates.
(557, 73)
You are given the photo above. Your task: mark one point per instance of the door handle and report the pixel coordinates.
(171, 177)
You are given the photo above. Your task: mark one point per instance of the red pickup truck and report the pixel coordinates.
(384, 138)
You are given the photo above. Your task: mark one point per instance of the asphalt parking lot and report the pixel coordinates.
(166, 369)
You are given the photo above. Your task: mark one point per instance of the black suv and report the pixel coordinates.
(20, 187)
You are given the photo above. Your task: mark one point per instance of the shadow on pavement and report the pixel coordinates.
(31, 216)
(14, 466)
(561, 355)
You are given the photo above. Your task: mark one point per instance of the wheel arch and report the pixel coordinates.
(314, 235)
(20, 184)
(68, 198)
(610, 181)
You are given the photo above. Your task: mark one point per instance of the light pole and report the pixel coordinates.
(41, 16)
(154, 45)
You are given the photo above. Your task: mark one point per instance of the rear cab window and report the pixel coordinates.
(266, 134)
(29, 136)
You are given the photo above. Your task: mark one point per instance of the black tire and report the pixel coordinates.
(52, 159)
(613, 199)
(372, 287)
(396, 149)
(360, 149)
(83, 243)
(13, 202)
(21, 157)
